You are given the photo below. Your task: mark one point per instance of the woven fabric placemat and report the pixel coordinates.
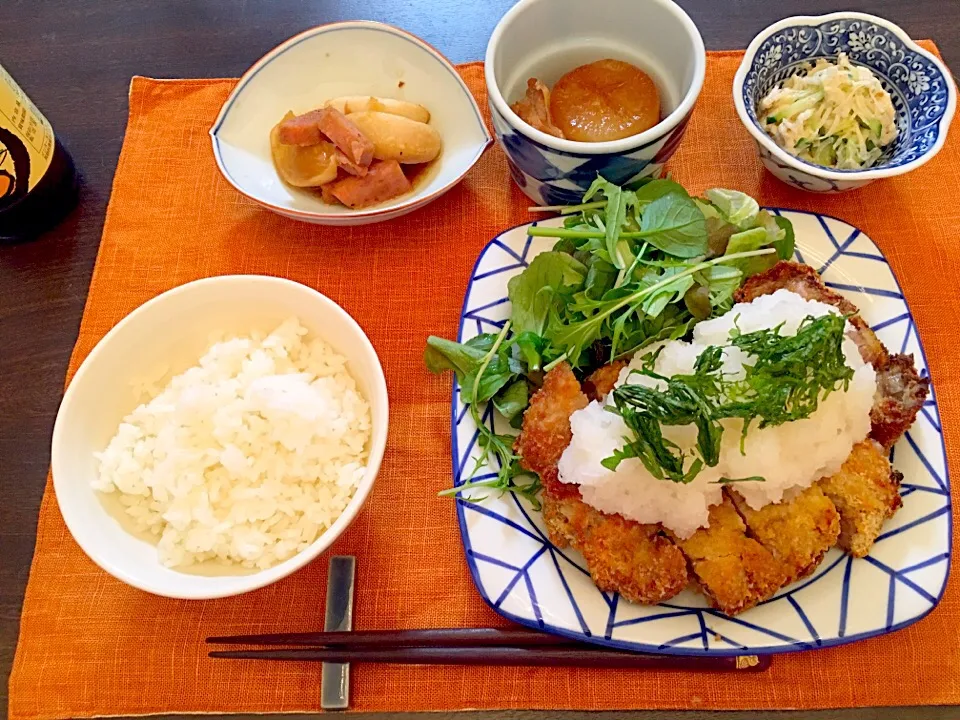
(90, 645)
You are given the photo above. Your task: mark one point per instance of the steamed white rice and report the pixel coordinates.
(245, 458)
(790, 456)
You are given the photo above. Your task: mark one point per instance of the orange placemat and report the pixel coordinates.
(92, 646)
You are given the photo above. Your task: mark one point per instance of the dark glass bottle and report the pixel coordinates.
(37, 178)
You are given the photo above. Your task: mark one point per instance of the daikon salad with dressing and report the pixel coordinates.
(831, 113)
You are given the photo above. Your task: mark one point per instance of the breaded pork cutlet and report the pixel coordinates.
(623, 556)
(798, 532)
(631, 558)
(900, 395)
(744, 556)
(866, 490)
(734, 571)
(602, 380)
(546, 432)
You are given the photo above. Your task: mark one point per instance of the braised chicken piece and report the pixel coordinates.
(534, 108)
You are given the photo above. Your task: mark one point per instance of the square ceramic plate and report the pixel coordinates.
(524, 577)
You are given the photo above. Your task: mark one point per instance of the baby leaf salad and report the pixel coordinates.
(629, 267)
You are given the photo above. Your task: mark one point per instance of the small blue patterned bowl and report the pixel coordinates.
(923, 92)
(548, 38)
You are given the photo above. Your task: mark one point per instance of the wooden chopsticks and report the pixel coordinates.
(465, 646)
(450, 637)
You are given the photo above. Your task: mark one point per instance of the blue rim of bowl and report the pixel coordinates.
(290, 43)
(748, 116)
(544, 626)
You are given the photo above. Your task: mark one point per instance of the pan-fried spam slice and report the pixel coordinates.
(798, 532)
(633, 559)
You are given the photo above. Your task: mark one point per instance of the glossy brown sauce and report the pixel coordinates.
(418, 173)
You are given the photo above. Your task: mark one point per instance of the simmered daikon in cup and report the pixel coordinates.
(597, 102)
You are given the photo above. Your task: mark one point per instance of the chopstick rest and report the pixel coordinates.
(335, 676)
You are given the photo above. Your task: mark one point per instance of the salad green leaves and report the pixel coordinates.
(546, 284)
(674, 224)
(629, 267)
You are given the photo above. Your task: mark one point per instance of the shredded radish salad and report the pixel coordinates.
(831, 113)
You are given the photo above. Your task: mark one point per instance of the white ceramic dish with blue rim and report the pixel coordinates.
(548, 38)
(524, 577)
(923, 92)
(347, 58)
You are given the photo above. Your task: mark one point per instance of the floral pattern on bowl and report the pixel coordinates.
(923, 93)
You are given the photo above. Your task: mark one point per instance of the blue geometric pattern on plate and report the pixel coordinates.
(524, 577)
(916, 85)
(556, 177)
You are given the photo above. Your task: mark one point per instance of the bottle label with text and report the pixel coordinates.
(26, 142)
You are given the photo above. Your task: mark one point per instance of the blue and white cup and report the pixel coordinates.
(548, 38)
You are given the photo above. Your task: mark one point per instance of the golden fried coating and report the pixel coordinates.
(800, 279)
(734, 571)
(601, 381)
(546, 423)
(866, 492)
(798, 532)
(804, 281)
(622, 555)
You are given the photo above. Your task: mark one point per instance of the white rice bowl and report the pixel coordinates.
(245, 458)
(790, 457)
